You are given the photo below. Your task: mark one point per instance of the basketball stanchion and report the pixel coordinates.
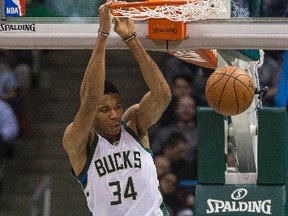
(258, 140)
(230, 121)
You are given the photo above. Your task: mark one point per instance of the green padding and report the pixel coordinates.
(211, 155)
(253, 55)
(254, 6)
(245, 55)
(240, 200)
(272, 145)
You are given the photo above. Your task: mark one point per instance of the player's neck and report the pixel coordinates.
(114, 140)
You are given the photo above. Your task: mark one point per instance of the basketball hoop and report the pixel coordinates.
(202, 57)
(174, 10)
(167, 21)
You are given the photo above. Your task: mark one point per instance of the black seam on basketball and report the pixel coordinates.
(237, 101)
(230, 75)
(236, 78)
(223, 89)
(217, 80)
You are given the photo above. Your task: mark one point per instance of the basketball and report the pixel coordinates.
(229, 90)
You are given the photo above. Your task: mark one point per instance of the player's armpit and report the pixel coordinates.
(75, 148)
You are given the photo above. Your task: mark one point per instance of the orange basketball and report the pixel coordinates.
(229, 90)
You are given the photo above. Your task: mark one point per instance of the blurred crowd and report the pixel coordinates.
(174, 141)
(15, 80)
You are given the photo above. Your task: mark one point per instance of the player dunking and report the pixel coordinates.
(108, 149)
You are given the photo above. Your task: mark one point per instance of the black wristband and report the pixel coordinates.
(104, 34)
(130, 37)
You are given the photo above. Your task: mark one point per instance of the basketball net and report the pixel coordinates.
(167, 21)
(201, 57)
(183, 11)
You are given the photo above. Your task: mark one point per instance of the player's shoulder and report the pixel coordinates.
(130, 118)
(131, 113)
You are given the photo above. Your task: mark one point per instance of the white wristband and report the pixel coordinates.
(104, 34)
(130, 37)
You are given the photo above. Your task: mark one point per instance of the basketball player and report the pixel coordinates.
(108, 148)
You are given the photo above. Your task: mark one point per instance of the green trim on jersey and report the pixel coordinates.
(131, 132)
(164, 209)
(82, 177)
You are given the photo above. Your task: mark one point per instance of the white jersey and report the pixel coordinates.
(121, 179)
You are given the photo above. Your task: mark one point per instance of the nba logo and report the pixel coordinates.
(14, 8)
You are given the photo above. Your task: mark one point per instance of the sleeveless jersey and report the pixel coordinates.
(121, 179)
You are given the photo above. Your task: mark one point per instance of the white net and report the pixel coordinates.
(189, 55)
(190, 11)
(201, 57)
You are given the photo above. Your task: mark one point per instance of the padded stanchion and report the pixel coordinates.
(272, 145)
(269, 195)
(211, 154)
(240, 200)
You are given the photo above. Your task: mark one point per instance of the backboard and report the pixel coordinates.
(73, 25)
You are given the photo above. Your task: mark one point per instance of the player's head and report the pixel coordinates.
(109, 87)
(109, 113)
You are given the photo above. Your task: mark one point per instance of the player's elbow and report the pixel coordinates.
(166, 94)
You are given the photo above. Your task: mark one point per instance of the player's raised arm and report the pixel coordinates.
(76, 135)
(157, 99)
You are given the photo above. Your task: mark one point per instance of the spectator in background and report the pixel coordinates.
(9, 130)
(168, 187)
(269, 75)
(181, 85)
(13, 85)
(273, 8)
(174, 149)
(185, 123)
(194, 74)
(175, 66)
(162, 164)
(9, 127)
(8, 81)
(265, 8)
(23, 63)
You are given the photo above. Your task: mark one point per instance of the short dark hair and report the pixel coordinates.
(109, 87)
